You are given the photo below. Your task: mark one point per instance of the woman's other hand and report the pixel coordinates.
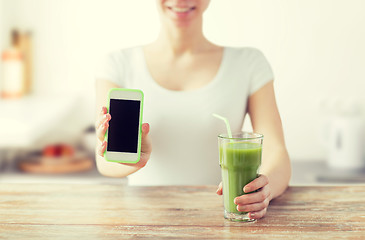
(255, 203)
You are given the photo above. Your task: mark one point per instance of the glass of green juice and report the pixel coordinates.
(239, 159)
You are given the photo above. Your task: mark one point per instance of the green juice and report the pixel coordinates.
(239, 162)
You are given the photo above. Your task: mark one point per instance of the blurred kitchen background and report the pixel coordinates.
(50, 49)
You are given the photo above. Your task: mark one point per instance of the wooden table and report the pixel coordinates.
(69, 211)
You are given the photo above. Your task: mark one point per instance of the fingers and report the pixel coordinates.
(256, 203)
(254, 207)
(258, 214)
(101, 149)
(100, 132)
(256, 184)
(103, 111)
(146, 146)
(255, 197)
(220, 189)
(102, 123)
(99, 120)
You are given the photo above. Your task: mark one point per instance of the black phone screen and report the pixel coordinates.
(123, 126)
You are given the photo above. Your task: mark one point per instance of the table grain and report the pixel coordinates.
(87, 211)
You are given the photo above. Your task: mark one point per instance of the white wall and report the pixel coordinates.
(1, 33)
(70, 37)
(1, 22)
(316, 48)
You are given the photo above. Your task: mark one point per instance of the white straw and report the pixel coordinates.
(229, 132)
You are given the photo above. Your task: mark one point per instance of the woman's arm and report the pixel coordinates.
(106, 168)
(275, 168)
(266, 120)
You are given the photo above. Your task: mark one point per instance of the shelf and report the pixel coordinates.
(318, 173)
(11, 174)
(24, 121)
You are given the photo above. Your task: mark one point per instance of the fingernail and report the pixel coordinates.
(144, 128)
(252, 215)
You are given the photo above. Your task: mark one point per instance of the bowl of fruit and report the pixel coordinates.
(57, 159)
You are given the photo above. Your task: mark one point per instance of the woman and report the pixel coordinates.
(186, 78)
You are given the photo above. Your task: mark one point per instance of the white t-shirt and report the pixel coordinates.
(183, 130)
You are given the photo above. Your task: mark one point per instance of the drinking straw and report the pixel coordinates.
(229, 132)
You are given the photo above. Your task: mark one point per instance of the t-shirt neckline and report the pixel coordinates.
(206, 87)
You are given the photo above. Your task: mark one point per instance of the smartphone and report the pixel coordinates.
(125, 127)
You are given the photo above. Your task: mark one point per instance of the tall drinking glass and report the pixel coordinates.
(240, 159)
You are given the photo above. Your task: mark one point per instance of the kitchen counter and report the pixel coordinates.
(316, 173)
(106, 211)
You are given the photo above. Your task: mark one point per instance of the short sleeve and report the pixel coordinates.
(111, 67)
(261, 71)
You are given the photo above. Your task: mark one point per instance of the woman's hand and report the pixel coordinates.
(101, 126)
(255, 203)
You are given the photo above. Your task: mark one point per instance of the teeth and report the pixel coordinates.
(180, 10)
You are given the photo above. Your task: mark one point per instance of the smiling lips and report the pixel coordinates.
(181, 9)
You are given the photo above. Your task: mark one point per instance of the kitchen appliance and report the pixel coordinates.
(346, 143)
(343, 134)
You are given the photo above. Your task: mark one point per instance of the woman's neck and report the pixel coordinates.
(182, 40)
